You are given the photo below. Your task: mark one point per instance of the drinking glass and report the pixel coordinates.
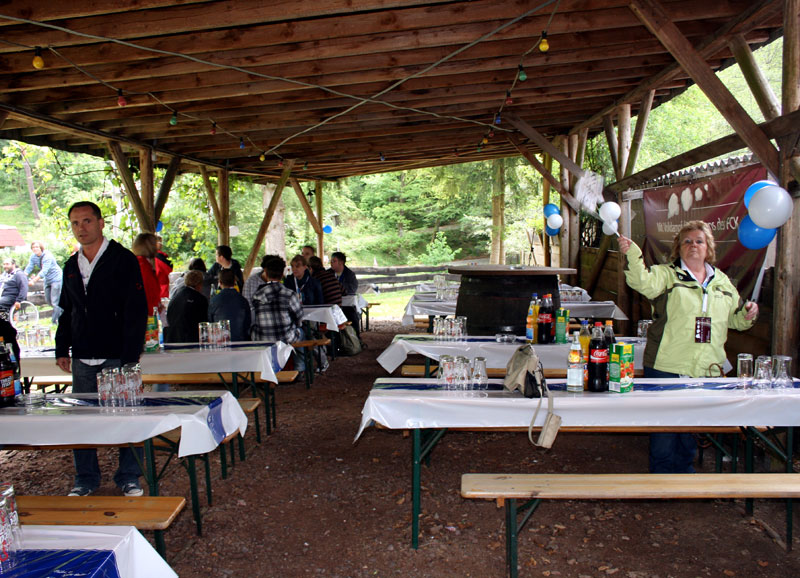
(225, 333)
(437, 328)
(204, 335)
(462, 325)
(105, 389)
(744, 370)
(132, 379)
(447, 371)
(782, 372)
(7, 492)
(8, 547)
(763, 374)
(463, 372)
(480, 377)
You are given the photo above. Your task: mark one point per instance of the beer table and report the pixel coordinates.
(109, 551)
(427, 304)
(330, 315)
(552, 356)
(677, 405)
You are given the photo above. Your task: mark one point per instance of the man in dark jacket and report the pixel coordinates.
(13, 288)
(103, 322)
(225, 260)
(186, 309)
(229, 304)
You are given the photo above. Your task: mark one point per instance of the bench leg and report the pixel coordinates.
(161, 545)
(241, 448)
(191, 469)
(223, 462)
(513, 528)
(420, 451)
(258, 426)
(789, 470)
(366, 314)
(208, 477)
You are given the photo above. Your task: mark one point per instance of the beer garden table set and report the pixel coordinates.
(426, 408)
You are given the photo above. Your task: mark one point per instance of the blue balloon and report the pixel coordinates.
(159, 226)
(751, 190)
(327, 229)
(754, 237)
(550, 209)
(551, 232)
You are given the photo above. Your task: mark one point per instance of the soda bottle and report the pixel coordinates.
(598, 360)
(575, 365)
(17, 372)
(608, 334)
(6, 379)
(532, 319)
(546, 314)
(585, 337)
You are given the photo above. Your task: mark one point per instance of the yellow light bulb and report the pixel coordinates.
(544, 45)
(38, 61)
(262, 158)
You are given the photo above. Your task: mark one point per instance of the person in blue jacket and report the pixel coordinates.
(308, 289)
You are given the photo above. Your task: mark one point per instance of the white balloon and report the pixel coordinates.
(610, 211)
(770, 207)
(610, 227)
(234, 230)
(555, 221)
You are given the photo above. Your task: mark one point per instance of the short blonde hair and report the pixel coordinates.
(144, 245)
(711, 253)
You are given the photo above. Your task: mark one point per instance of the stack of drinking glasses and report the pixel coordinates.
(456, 373)
(10, 530)
(450, 328)
(440, 282)
(642, 328)
(215, 335)
(120, 388)
(769, 372)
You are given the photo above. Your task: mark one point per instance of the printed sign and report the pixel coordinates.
(214, 420)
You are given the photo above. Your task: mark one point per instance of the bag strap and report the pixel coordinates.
(545, 391)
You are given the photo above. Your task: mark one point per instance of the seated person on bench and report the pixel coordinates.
(229, 304)
(186, 309)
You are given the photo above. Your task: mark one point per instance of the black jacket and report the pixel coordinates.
(236, 267)
(108, 319)
(186, 309)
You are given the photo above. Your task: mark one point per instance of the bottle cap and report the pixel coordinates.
(598, 324)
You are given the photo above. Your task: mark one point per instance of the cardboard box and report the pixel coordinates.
(620, 368)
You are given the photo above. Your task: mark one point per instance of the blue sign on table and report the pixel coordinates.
(214, 420)
(72, 563)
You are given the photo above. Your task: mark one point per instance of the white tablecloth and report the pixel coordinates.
(405, 403)
(356, 301)
(67, 423)
(331, 315)
(261, 357)
(427, 304)
(135, 557)
(552, 356)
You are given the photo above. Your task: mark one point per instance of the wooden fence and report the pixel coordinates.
(387, 279)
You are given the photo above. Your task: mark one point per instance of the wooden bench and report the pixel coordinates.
(308, 346)
(145, 512)
(366, 314)
(509, 488)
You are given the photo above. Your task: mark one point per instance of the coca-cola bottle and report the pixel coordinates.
(598, 360)
(546, 319)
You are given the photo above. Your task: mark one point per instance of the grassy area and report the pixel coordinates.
(392, 305)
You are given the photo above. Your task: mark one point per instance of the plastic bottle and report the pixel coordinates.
(598, 360)
(532, 320)
(17, 372)
(575, 365)
(608, 334)
(546, 314)
(585, 337)
(6, 378)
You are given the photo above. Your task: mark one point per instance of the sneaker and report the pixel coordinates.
(80, 491)
(132, 490)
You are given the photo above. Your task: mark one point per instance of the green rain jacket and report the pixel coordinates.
(677, 300)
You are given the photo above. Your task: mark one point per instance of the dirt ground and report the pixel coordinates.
(310, 502)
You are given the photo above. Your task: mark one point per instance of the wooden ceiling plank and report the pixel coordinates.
(47, 11)
(657, 21)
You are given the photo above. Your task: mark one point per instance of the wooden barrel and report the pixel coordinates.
(495, 299)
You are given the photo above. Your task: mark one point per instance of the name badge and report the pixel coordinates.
(702, 330)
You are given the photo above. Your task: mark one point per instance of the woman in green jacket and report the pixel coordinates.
(694, 304)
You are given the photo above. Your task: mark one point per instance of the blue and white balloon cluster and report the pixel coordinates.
(609, 213)
(768, 208)
(553, 219)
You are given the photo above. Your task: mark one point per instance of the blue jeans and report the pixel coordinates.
(670, 453)
(52, 295)
(87, 469)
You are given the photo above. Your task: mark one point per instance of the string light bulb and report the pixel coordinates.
(491, 133)
(497, 118)
(479, 148)
(38, 61)
(241, 142)
(485, 140)
(383, 158)
(521, 73)
(213, 128)
(305, 165)
(173, 120)
(544, 45)
(280, 162)
(509, 100)
(262, 157)
(121, 99)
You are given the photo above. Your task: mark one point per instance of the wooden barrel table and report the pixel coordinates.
(495, 298)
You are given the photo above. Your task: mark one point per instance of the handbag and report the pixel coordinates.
(349, 343)
(524, 373)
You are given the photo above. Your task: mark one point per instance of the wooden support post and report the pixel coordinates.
(572, 217)
(661, 26)
(147, 185)
(545, 145)
(212, 197)
(547, 169)
(623, 135)
(785, 335)
(165, 187)
(262, 230)
(129, 185)
(611, 140)
(320, 233)
(224, 230)
(304, 203)
(498, 213)
(638, 134)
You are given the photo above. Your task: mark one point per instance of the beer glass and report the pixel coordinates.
(447, 371)
(204, 335)
(744, 370)
(762, 378)
(480, 377)
(782, 372)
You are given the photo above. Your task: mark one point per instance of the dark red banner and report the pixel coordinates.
(718, 201)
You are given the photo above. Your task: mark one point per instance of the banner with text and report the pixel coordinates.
(719, 201)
